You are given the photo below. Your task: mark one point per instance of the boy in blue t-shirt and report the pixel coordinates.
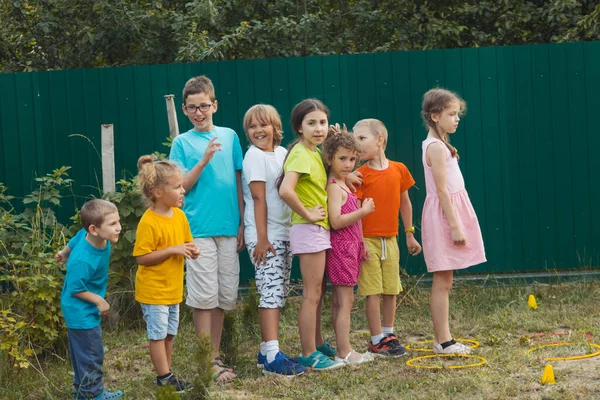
(82, 300)
(211, 160)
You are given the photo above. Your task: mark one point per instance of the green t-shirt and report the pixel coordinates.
(313, 180)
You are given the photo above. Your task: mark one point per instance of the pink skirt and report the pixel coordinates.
(439, 251)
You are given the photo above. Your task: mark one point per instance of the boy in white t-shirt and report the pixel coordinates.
(267, 221)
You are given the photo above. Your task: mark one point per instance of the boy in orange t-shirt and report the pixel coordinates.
(387, 183)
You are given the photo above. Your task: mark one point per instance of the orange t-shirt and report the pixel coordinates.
(385, 188)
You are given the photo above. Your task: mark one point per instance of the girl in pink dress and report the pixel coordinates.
(340, 153)
(450, 230)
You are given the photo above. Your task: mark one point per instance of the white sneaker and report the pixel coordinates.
(364, 357)
(456, 348)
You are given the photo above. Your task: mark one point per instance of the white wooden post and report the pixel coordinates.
(108, 158)
(172, 115)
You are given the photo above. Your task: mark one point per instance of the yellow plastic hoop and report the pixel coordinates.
(566, 358)
(479, 364)
(475, 344)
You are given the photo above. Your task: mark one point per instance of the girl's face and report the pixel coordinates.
(343, 162)
(261, 134)
(171, 193)
(448, 120)
(314, 129)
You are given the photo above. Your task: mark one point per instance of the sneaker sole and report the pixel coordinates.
(335, 366)
(260, 366)
(269, 373)
(384, 355)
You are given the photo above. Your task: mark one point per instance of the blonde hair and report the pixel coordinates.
(197, 85)
(153, 174)
(435, 101)
(375, 126)
(94, 211)
(267, 114)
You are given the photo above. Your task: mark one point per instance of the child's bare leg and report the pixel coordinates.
(439, 304)
(343, 297)
(373, 314)
(312, 268)
(169, 348)
(158, 355)
(388, 310)
(217, 317)
(269, 323)
(319, 339)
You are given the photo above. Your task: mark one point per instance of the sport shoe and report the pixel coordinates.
(389, 346)
(365, 357)
(319, 362)
(105, 395)
(327, 349)
(456, 348)
(179, 384)
(262, 360)
(283, 366)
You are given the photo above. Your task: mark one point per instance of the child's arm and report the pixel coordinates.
(190, 178)
(436, 154)
(335, 198)
(240, 195)
(259, 196)
(287, 194)
(63, 255)
(413, 246)
(90, 297)
(188, 250)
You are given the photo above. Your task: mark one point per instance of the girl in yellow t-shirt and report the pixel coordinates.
(163, 241)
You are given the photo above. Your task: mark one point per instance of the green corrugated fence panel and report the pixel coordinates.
(526, 143)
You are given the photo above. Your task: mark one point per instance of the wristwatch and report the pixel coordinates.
(410, 229)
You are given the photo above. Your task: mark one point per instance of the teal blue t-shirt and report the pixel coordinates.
(211, 205)
(87, 271)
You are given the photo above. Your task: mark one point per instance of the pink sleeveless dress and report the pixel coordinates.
(439, 251)
(347, 248)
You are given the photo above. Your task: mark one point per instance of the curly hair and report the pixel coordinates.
(336, 141)
(154, 173)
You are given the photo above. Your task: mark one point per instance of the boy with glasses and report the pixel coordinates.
(211, 159)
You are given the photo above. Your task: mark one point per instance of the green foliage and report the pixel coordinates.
(30, 321)
(204, 372)
(167, 392)
(230, 339)
(250, 311)
(63, 34)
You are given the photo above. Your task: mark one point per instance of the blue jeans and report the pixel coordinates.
(87, 356)
(161, 320)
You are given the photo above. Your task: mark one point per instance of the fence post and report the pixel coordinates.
(108, 158)
(172, 115)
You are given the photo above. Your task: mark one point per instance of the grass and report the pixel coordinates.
(496, 317)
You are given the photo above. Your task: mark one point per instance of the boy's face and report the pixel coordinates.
(199, 108)
(369, 143)
(109, 229)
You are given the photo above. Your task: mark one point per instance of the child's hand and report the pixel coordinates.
(62, 257)
(195, 251)
(316, 214)
(458, 236)
(413, 246)
(354, 180)
(259, 255)
(187, 250)
(368, 206)
(103, 307)
(211, 148)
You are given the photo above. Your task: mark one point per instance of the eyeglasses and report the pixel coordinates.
(193, 108)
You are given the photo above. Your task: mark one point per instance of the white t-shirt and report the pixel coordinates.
(265, 167)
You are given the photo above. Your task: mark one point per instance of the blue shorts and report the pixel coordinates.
(161, 320)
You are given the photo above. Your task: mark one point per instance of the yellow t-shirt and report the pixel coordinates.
(161, 283)
(313, 179)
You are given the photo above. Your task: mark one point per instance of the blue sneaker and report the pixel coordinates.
(319, 362)
(283, 366)
(105, 395)
(327, 349)
(262, 360)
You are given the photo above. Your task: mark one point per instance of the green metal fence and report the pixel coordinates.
(528, 142)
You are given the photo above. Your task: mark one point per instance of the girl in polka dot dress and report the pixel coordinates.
(340, 152)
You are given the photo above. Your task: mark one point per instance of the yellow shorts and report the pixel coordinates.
(380, 274)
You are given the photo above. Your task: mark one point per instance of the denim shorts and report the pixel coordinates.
(161, 320)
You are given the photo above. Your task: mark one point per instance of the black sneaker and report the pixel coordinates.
(179, 384)
(389, 346)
